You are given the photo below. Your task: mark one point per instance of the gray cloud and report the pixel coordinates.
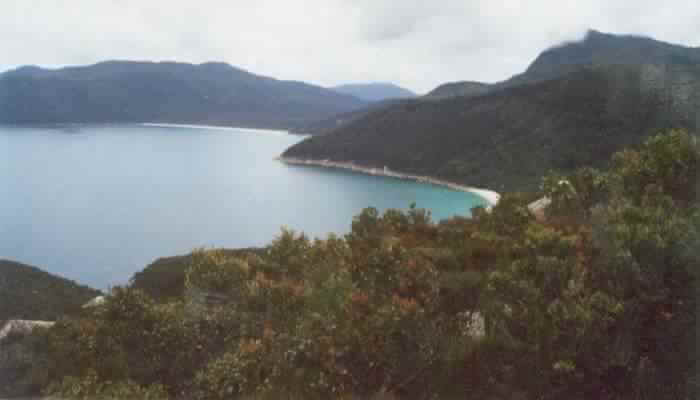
(418, 44)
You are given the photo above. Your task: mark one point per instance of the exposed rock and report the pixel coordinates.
(97, 301)
(477, 325)
(22, 327)
(537, 208)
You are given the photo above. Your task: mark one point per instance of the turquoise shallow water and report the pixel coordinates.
(98, 203)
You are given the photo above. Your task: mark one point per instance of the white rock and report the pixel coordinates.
(537, 207)
(97, 301)
(22, 327)
(477, 326)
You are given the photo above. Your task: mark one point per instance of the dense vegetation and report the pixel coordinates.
(164, 279)
(27, 292)
(596, 301)
(575, 105)
(506, 139)
(120, 91)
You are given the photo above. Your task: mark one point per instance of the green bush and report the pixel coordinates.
(597, 301)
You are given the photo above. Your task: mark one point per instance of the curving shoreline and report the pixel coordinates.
(490, 196)
(216, 127)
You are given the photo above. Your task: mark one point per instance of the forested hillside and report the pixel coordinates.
(595, 301)
(126, 91)
(575, 105)
(506, 139)
(27, 292)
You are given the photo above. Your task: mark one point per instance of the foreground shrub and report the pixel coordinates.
(596, 301)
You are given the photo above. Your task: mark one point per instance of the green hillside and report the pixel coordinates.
(504, 140)
(130, 91)
(27, 292)
(575, 105)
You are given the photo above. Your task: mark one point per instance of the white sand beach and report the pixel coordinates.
(215, 127)
(490, 196)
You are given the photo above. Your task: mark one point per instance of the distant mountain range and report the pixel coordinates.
(375, 91)
(126, 91)
(379, 95)
(575, 105)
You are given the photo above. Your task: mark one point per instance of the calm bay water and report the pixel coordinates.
(98, 203)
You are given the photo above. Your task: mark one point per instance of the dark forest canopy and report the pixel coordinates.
(164, 279)
(595, 301)
(506, 139)
(575, 105)
(27, 292)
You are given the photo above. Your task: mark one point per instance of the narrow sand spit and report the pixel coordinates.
(489, 195)
(216, 127)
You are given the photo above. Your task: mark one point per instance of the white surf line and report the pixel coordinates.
(218, 128)
(490, 196)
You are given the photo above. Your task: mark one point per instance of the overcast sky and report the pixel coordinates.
(418, 44)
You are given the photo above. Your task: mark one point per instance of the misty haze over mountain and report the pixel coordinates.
(415, 44)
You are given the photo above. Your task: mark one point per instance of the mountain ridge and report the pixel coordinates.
(27, 292)
(375, 91)
(596, 48)
(211, 93)
(460, 88)
(558, 119)
(599, 48)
